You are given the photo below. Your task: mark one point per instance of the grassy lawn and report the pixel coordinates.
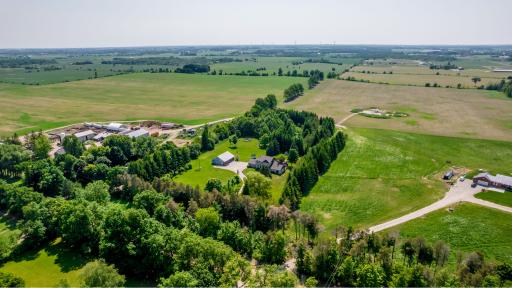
(46, 267)
(496, 197)
(202, 168)
(383, 174)
(182, 98)
(467, 113)
(468, 228)
(278, 182)
(8, 228)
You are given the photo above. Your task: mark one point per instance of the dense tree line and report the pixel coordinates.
(292, 92)
(315, 77)
(504, 86)
(17, 62)
(193, 68)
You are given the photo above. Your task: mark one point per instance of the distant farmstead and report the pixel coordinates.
(498, 181)
(223, 159)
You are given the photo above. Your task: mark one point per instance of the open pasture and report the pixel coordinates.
(468, 228)
(440, 111)
(424, 70)
(186, 98)
(383, 174)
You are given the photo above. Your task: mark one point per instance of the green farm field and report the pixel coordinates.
(202, 168)
(468, 228)
(423, 70)
(467, 113)
(186, 98)
(496, 197)
(383, 174)
(272, 64)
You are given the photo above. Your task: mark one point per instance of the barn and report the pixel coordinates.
(223, 159)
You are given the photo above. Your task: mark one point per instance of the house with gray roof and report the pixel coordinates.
(498, 181)
(223, 159)
(275, 166)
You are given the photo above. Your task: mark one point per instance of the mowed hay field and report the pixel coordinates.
(383, 174)
(441, 111)
(166, 96)
(421, 80)
(468, 228)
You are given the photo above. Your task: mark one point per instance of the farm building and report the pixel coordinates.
(498, 181)
(275, 166)
(101, 136)
(223, 159)
(117, 127)
(168, 125)
(85, 135)
(138, 133)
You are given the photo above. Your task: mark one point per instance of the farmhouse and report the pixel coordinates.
(275, 166)
(138, 133)
(498, 181)
(223, 159)
(85, 135)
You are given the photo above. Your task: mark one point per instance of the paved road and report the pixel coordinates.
(459, 192)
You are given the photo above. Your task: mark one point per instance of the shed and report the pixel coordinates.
(138, 133)
(115, 127)
(223, 159)
(448, 175)
(85, 135)
(101, 136)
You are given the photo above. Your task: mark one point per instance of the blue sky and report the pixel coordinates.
(108, 23)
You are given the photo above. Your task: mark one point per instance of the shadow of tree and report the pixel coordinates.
(67, 259)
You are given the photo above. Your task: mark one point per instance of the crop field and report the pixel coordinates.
(202, 168)
(440, 111)
(496, 197)
(272, 64)
(383, 174)
(182, 98)
(468, 228)
(421, 80)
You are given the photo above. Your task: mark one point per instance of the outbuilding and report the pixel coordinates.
(116, 127)
(223, 159)
(138, 133)
(85, 135)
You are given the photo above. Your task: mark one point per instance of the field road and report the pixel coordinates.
(340, 124)
(459, 192)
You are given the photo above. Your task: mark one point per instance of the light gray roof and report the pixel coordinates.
(503, 179)
(277, 166)
(85, 133)
(137, 133)
(226, 156)
(102, 135)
